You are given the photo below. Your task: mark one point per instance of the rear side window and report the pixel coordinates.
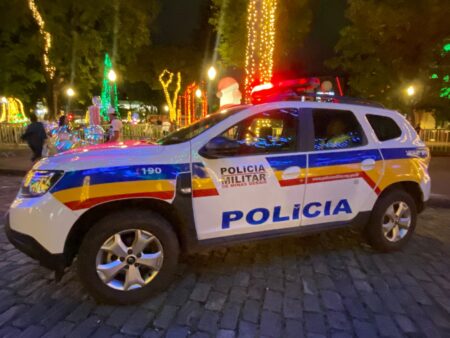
(384, 127)
(336, 129)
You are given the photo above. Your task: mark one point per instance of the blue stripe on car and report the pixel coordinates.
(73, 179)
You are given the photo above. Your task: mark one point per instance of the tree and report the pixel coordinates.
(389, 45)
(229, 18)
(152, 60)
(439, 85)
(82, 32)
(20, 74)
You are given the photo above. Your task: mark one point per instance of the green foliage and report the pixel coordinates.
(20, 74)
(82, 32)
(390, 44)
(229, 18)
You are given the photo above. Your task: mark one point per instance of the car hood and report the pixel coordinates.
(102, 155)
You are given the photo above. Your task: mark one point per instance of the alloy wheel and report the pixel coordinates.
(396, 221)
(129, 259)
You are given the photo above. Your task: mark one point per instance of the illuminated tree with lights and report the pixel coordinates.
(109, 89)
(260, 43)
(166, 78)
(12, 110)
(49, 68)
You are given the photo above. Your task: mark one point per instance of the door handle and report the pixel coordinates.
(368, 164)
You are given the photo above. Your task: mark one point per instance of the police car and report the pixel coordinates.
(283, 166)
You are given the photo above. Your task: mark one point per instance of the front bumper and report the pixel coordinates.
(32, 248)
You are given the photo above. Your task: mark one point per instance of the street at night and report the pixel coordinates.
(328, 285)
(225, 169)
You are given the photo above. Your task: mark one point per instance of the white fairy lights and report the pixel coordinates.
(260, 43)
(49, 68)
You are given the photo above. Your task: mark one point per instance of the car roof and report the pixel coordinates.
(355, 108)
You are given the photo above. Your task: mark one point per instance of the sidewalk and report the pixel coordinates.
(15, 160)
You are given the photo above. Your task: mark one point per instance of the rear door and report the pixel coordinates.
(344, 168)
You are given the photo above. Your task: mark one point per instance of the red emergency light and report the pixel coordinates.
(263, 92)
(306, 88)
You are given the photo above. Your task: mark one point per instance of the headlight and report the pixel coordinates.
(38, 182)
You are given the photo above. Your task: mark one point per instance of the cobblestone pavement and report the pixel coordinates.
(330, 285)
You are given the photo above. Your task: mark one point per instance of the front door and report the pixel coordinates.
(255, 187)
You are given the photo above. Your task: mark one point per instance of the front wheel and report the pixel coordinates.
(392, 222)
(128, 256)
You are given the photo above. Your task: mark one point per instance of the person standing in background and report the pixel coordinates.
(62, 121)
(116, 126)
(166, 125)
(35, 136)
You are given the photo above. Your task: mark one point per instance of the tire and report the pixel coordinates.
(377, 229)
(129, 226)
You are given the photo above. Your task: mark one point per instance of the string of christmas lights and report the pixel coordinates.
(193, 98)
(260, 43)
(171, 103)
(267, 43)
(109, 90)
(250, 55)
(49, 68)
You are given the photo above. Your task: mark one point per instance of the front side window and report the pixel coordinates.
(336, 129)
(384, 127)
(268, 132)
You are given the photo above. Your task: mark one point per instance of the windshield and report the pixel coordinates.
(189, 132)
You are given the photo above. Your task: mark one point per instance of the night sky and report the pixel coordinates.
(328, 20)
(180, 20)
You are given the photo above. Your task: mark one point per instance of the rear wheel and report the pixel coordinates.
(392, 222)
(128, 256)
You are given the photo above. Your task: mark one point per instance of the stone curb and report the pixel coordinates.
(13, 172)
(438, 201)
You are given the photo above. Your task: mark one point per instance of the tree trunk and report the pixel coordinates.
(55, 103)
(52, 99)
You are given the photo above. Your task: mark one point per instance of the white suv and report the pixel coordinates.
(287, 167)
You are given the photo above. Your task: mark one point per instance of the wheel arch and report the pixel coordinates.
(91, 216)
(412, 188)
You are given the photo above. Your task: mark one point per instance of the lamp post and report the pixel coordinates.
(411, 91)
(112, 76)
(212, 74)
(411, 94)
(70, 93)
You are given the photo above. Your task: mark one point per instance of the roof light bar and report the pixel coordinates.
(302, 89)
(261, 87)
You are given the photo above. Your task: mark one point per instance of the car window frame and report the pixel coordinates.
(366, 115)
(299, 145)
(312, 136)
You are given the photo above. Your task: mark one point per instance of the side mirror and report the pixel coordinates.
(218, 147)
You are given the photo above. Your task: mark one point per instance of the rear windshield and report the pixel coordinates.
(189, 132)
(384, 127)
